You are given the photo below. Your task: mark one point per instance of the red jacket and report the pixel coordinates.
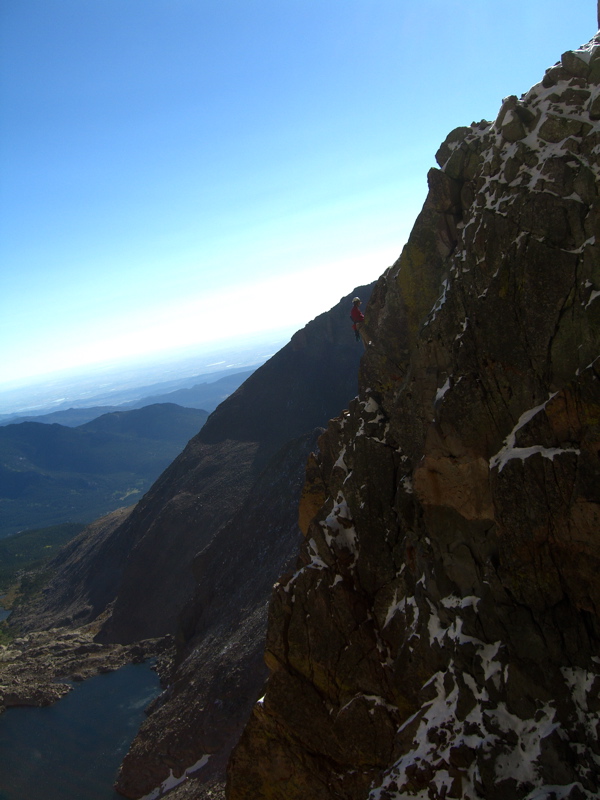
(356, 315)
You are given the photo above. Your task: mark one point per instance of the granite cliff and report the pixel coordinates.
(439, 636)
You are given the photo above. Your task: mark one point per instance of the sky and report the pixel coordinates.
(181, 172)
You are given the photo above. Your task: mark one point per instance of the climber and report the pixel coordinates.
(358, 321)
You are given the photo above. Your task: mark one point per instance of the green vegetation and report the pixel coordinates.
(31, 584)
(50, 474)
(25, 554)
(6, 634)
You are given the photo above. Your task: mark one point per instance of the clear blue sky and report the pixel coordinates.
(181, 171)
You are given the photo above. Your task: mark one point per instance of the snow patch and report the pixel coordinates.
(315, 559)
(402, 606)
(452, 601)
(316, 562)
(374, 699)
(585, 53)
(580, 683)
(519, 763)
(340, 463)
(487, 654)
(171, 782)
(442, 391)
(407, 484)
(465, 325)
(371, 406)
(510, 450)
(439, 302)
(595, 293)
(525, 452)
(339, 527)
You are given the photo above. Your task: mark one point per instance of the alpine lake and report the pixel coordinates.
(72, 750)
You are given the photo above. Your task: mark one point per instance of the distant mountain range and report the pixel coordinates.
(50, 474)
(205, 395)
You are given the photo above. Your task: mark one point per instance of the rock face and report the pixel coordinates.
(439, 637)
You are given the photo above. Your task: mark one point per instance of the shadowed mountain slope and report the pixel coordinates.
(145, 565)
(206, 395)
(222, 670)
(51, 474)
(297, 389)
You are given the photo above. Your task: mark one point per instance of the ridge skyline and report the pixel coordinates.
(136, 378)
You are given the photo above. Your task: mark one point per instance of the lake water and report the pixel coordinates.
(4, 614)
(72, 750)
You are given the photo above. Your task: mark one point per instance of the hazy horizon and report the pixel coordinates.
(81, 385)
(166, 357)
(181, 173)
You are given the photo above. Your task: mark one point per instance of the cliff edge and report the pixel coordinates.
(439, 637)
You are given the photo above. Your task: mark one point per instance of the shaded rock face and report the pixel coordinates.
(296, 390)
(440, 634)
(221, 670)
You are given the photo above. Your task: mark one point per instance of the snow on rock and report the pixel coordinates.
(449, 651)
(511, 451)
(439, 302)
(172, 781)
(442, 391)
(338, 526)
(489, 737)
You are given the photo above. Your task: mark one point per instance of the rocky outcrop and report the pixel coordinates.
(38, 669)
(439, 636)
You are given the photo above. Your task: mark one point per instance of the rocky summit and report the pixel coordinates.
(439, 636)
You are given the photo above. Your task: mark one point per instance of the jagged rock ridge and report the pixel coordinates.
(440, 635)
